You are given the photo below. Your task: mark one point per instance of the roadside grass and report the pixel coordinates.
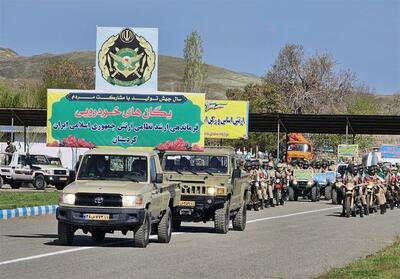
(383, 265)
(14, 200)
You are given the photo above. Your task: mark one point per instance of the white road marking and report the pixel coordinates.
(151, 237)
(290, 215)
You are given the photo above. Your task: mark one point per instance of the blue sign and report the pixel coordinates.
(331, 176)
(390, 151)
(320, 178)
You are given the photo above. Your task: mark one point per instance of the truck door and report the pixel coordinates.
(156, 191)
(236, 183)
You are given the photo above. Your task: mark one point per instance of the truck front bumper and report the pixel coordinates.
(119, 218)
(53, 179)
(203, 210)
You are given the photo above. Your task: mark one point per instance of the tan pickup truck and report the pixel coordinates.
(118, 190)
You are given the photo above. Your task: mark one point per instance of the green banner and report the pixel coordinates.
(347, 150)
(92, 119)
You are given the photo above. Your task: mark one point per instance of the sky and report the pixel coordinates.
(240, 35)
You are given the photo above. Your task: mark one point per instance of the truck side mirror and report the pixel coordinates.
(159, 178)
(236, 174)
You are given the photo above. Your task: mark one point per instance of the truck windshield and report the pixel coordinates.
(196, 163)
(38, 160)
(55, 161)
(298, 147)
(113, 167)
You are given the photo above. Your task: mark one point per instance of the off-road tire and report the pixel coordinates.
(221, 219)
(15, 185)
(239, 221)
(60, 186)
(39, 182)
(328, 193)
(165, 227)
(176, 225)
(142, 233)
(314, 194)
(98, 235)
(65, 233)
(334, 196)
(1, 181)
(291, 194)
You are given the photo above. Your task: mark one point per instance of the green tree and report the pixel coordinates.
(63, 74)
(363, 105)
(9, 98)
(195, 73)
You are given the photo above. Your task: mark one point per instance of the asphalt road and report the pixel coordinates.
(299, 240)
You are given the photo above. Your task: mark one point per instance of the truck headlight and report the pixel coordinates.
(132, 201)
(67, 199)
(49, 171)
(211, 191)
(294, 182)
(309, 183)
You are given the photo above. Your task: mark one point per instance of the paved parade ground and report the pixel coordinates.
(300, 240)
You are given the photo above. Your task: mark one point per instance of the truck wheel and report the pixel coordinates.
(65, 233)
(291, 194)
(60, 186)
(239, 221)
(1, 181)
(142, 233)
(334, 197)
(176, 225)
(328, 193)
(165, 227)
(98, 235)
(314, 194)
(15, 185)
(221, 219)
(39, 182)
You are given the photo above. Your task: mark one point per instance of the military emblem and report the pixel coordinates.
(126, 59)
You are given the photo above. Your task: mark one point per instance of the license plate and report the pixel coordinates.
(96, 217)
(63, 179)
(187, 203)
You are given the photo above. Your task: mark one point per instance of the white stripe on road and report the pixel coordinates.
(152, 237)
(293, 214)
(71, 251)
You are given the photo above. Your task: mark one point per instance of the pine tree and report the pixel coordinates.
(195, 72)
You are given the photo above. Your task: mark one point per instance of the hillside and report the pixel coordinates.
(17, 69)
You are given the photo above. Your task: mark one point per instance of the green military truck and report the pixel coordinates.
(118, 190)
(212, 188)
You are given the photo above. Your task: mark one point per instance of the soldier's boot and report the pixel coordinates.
(271, 202)
(361, 211)
(382, 207)
(391, 204)
(261, 203)
(366, 211)
(266, 203)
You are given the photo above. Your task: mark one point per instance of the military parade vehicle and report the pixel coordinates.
(212, 187)
(118, 190)
(36, 169)
(303, 184)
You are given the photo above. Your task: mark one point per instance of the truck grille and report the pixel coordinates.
(193, 190)
(111, 200)
(60, 172)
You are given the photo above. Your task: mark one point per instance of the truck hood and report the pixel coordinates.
(49, 167)
(107, 187)
(205, 178)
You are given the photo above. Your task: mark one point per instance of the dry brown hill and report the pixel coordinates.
(17, 69)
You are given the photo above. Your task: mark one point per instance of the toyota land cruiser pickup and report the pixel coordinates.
(118, 190)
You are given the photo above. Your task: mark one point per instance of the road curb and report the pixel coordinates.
(41, 210)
